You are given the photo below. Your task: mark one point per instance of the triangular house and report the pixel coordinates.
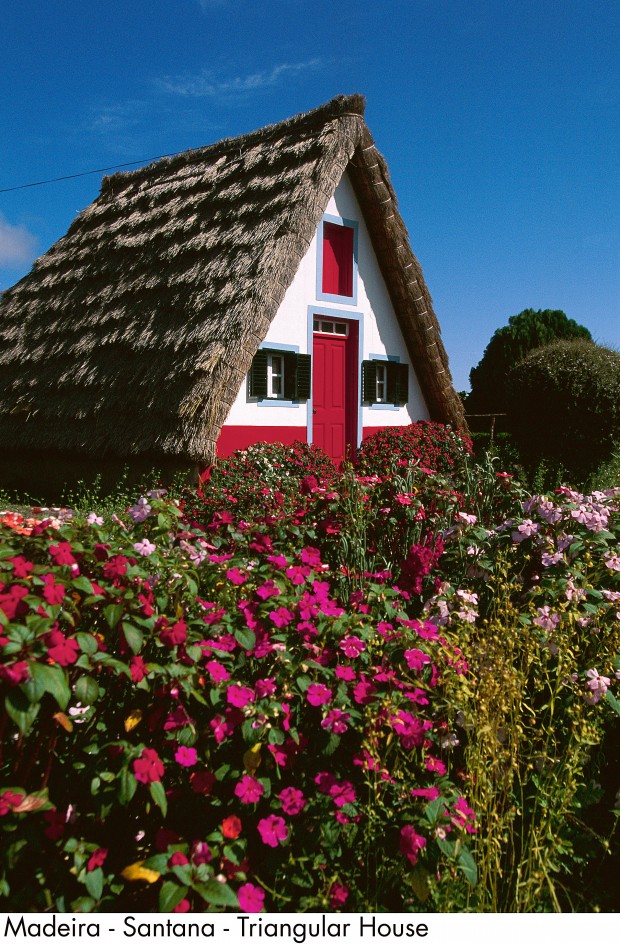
(261, 288)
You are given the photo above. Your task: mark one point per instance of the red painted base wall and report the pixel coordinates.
(239, 438)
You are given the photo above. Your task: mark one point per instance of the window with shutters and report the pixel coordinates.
(385, 382)
(337, 262)
(279, 376)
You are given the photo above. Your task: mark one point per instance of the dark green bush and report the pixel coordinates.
(564, 405)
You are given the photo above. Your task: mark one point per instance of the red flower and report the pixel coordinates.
(148, 767)
(202, 782)
(115, 568)
(52, 592)
(231, 827)
(97, 859)
(138, 669)
(9, 801)
(62, 651)
(12, 602)
(14, 674)
(177, 859)
(21, 567)
(182, 906)
(61, 553)
(175, 635)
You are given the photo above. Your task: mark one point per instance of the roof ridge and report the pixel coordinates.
(339, 106)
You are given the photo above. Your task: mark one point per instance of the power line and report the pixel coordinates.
(98, 170)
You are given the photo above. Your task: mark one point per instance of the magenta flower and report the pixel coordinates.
(411, 843)
(427, 793)
(311, 556)
(293, 801)
(434, 764)
(249, 790)
(416, 659)
(251, 898)
(336, 721)
(265, 687)
(318, 694)
(273, 830)
(281, 617)
(364, 691)
(216, 671)
(346, 672)
(278, 561)
(268, 589)
(338, 895)
(186, 757)
(342, 792)
(235, 576)
(298, 573)
(352, 646)
(239, 696)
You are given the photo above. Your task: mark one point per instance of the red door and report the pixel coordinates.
(334, 391)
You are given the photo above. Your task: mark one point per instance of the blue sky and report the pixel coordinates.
(499, 122)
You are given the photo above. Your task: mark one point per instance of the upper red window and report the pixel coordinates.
(338, 244)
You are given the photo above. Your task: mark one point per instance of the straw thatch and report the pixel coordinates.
(134, 332)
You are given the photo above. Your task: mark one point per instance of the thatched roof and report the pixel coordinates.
(134, 332)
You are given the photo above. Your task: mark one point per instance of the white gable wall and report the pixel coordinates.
(379, 332)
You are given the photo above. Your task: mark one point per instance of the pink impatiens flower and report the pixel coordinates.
(239, 696)
(186, 757)
(293, 801)
(251, 898)
(249, 790)
(411, 843)
(352, 646)
(336, 721)
(273, 830)
(317, 694)
(598, 686)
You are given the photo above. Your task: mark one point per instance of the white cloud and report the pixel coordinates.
(206, 85)
(18, 246)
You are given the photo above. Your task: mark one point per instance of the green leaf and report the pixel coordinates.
(133, 636)
(86, 690)
(170, 896)
(127, 786)
(94, 882)
(218, 894)
(434, 810)
(54, 681)
(113, 613)
(467, 866)
(158, 794)
(614, 703)
(82, 583)
(20, 710)
(87, 643)
(246, 638)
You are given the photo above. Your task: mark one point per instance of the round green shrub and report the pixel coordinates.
(564, 404)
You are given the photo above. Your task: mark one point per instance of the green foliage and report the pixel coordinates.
(564, 405)
(524, 332)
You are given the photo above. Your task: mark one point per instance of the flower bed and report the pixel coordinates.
(361, 693)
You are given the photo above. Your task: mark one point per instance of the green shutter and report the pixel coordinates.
(369, 382)
(391, 393)
(290, 374)
(402, 383)
(258, 374)
(304, 376)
